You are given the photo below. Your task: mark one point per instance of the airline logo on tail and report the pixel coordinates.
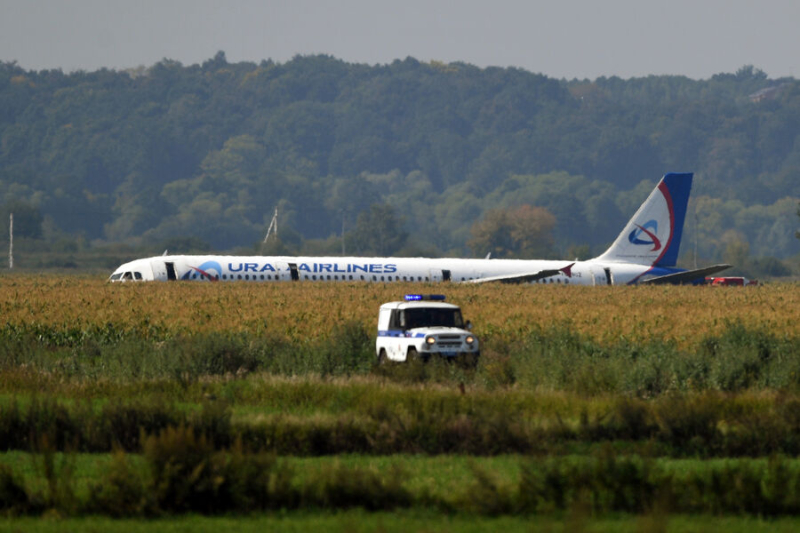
(635, 236)
(656, 241)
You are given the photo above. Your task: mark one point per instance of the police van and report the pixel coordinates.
(422, 326)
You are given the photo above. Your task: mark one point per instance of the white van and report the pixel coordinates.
(422, 326)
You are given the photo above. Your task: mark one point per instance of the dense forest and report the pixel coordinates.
(404, 158)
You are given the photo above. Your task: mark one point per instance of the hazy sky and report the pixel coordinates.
(559, 38)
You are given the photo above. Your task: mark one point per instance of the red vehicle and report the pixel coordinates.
(731, 281)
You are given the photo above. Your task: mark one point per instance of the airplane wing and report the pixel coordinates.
(524, 277)
(687, 275)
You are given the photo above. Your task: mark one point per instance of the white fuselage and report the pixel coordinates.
(368, 269)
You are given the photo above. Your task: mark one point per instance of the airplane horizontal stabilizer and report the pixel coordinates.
(687, 276)
(525, 277)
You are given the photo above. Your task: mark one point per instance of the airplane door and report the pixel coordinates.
(603, 277)
(440, 275)
(288, 271)
(293, 273)
(170, 268)
(159, 270)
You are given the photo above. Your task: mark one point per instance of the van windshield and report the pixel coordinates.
(422, 317)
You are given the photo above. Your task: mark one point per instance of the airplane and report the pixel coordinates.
(644, 253)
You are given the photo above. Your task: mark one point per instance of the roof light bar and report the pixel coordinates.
(419, 297)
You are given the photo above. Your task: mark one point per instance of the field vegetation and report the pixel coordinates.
(154, 400)
(307, 312)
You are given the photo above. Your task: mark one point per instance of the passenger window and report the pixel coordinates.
(137, 275)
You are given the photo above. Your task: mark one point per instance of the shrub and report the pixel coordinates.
(14, 497)
(122, 491)
(186, 475)
(339, 487)
(487, 495)
(189, 476)
(121, 424)
(607, 483)
(690, 423)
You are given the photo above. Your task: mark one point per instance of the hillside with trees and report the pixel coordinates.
(407, 158)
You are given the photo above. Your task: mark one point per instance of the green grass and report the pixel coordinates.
(356, 521)
(500, 485)
(315, 416)
(440, 475)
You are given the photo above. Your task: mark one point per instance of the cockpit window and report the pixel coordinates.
(115, 276)
(137, 276)
(127, 276)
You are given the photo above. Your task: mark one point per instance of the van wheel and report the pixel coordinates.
(382, 356)
(414, 355)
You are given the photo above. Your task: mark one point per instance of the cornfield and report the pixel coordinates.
(308, 311)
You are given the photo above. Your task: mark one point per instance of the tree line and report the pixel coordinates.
(403, 158)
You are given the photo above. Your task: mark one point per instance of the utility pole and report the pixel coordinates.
(272, 225)
(10, 241)
(695, 236)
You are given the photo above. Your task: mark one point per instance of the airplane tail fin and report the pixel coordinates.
(653, 236)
